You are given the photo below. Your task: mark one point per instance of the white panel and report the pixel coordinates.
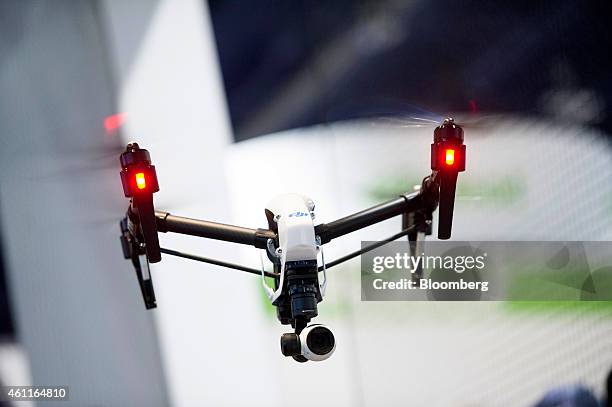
(214, 349)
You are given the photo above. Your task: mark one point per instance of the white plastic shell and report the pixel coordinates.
(296, 236)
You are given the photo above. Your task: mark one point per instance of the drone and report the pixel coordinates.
(292, 241)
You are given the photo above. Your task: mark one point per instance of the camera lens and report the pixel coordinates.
(320, 340)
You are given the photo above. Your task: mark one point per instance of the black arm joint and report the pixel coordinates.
(430, 192)
(322, 231)
(262, 236)
(160, 218)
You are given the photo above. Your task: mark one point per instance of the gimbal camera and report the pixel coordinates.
(292, 241)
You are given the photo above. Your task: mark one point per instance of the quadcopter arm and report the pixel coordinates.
(407, 203)
(424, 200)
(212, 230)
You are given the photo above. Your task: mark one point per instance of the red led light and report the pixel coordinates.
(450, 156)
(141, 182)
(114, 122)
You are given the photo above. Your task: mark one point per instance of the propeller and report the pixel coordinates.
(477, 124)
(392, 113)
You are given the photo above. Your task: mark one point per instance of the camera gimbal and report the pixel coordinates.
(291, 241)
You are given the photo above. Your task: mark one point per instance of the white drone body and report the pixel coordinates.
(294, 216)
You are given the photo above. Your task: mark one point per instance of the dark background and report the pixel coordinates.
(298, 63)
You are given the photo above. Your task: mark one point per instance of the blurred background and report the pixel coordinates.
(240, 101)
